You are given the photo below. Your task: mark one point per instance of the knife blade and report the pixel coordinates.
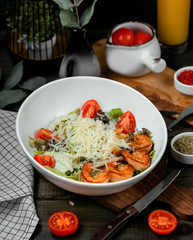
(134, 210)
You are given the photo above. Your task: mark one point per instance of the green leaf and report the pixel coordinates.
(15, 77)
(185, 113)
(78, 2)
(87, 14)
(115, 113)
(33, 83)
(11, 96)
(68, 19)
(64, 4)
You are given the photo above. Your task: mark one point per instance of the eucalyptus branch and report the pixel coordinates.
(77, 14)
(69, 14)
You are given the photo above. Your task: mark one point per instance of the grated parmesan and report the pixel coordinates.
(86, 138)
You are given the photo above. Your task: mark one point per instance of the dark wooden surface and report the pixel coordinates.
(92, 216)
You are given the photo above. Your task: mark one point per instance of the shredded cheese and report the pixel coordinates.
(87, 138)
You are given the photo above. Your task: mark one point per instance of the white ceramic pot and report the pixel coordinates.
(133, 61)
(178, 156)
(42, 50)
(181, 87)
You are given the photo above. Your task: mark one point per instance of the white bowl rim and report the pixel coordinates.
(95, 185)
(177, 137)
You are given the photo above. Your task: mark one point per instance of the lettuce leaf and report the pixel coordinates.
(115, 113)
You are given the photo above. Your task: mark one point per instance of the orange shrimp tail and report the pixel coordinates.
(101, 176)
(141, 142)
(119, 171)
(139, 159)
(116, 151)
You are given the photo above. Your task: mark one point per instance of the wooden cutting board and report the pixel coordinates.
(179, 198)
(158, 88)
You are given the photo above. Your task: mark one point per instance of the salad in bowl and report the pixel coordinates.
(94, 146)
(91, 135)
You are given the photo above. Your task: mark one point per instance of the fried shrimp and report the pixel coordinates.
(141, 142)
(94, 176)
(116, 151)
(119, 171)
(139, 159)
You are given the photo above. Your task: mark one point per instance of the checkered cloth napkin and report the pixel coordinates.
(18, 217)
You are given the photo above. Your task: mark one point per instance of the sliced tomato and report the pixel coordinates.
(126, 123)
(63, 223)
(45, 160)
(45, 134)
(162, 222)
(90, 109)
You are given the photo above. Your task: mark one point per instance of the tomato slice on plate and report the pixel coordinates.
(63, 223)
(90, 109)
(162, 222)
(45, 134)
(45, 160)
(126, 123)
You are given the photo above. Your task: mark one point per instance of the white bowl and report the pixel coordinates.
(62, 96)
(134, 61)
(178, 156)
(181, 87)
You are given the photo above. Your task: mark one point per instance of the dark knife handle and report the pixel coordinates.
(116, 224)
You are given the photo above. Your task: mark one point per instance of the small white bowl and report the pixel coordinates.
(181, 87)
(178, 156)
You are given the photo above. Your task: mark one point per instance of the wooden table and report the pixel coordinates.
(92, 216)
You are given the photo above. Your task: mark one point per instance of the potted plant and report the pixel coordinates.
(36, 24)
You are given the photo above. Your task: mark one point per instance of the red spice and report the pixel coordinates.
(186, 77)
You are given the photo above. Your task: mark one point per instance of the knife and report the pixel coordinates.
(134, 210)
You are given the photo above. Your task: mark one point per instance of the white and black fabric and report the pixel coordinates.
(18, 217)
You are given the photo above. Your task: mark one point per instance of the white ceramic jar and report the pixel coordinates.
(134, 61)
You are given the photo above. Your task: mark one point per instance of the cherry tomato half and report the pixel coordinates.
(63, 223)
(44, 134)
(123, 36)
(162, 222)
(45, 160)
(90, 109)
(126, 123)
(141, 37)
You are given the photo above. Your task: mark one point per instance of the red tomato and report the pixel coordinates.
(90, 109)
(45, 160)
(63, 223)
(123, 36)
(162, 222)
(45, 134)
(126, 123)
(141, 37)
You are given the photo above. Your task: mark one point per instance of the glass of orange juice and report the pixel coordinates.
(173, 24)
